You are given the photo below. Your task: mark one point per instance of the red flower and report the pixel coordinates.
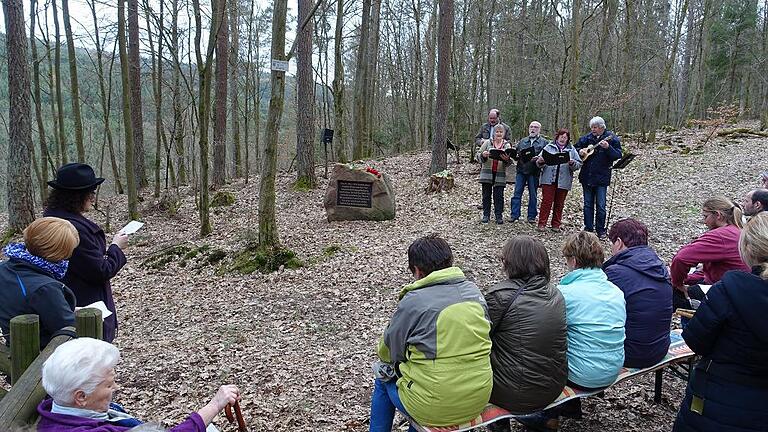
(373, 171)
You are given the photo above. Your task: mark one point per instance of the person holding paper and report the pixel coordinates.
(556, 180)
(30, 280)
(93, 264)
(493, 174)
(527, 173)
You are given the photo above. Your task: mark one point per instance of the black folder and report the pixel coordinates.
(526, 155)
(556, 158)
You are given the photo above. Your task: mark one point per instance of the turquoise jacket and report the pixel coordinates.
(595, 314)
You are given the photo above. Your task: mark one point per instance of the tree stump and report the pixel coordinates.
(440, 182)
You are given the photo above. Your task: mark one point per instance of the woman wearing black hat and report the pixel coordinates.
(92, 264)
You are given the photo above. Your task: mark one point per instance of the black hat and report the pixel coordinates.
(75, 176)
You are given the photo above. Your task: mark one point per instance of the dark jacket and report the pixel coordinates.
(91, 267)
(485, 133)
(27, 289)
(596, 170)
(730, 332)
(530, 167)
(643, 278)
(529, 338)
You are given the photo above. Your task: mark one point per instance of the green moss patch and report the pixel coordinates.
(222, 199)
(265, 260)
(184, 255)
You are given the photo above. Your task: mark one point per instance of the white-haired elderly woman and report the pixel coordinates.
(80, 378)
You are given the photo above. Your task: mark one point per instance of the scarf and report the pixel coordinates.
(114, 414)
(19, 251)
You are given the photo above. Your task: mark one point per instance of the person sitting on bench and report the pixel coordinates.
(80, 378)
(728, 388)
(435, 364)
(717, 250)
(643, 278)
(595, 315)
(528, 332)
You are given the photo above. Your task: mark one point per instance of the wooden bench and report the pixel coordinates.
(678, 353)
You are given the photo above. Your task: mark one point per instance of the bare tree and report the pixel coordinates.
(45, 159)
(74, 83)
(57, 79)
(135, 80)
(220, 109)
(338, 84)
(130, 175)
(19, 181)
(234, 67)
(439, 149)
(361, 144)
(305, 98)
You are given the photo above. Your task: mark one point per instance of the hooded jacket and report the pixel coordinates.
(595, 314)
(730, 331)
(28, 289)
(438, 341)
(52, 422)
(642, 277)
(529, 338)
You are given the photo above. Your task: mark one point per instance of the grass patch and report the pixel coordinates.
(265, 260)
(303, 184)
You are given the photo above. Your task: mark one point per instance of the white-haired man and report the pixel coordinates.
(598, 149)
(527, 174)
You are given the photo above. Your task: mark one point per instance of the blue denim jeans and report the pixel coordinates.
(594, 195)
(384, 401)
(521, 181)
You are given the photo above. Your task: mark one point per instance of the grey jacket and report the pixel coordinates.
(562, 174)
(538, 143)
(529, 338)
(485, 133)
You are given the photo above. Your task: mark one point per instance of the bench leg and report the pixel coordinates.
(657, 386)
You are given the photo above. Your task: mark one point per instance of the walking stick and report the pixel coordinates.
(241, 427)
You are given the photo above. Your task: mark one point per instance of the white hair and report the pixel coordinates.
(79, 364)
(597, 121)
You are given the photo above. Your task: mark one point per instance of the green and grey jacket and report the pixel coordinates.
(487, 170)
(438, 340)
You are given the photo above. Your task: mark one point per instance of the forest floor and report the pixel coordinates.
(299, 343)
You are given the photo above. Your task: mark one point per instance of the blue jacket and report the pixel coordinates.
(596, 170)
(595, 315)
(644, 279)
(91, 267)
(730, 331)
(27, 289)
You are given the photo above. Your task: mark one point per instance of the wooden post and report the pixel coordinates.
(89, 323)
(25, 343)
(19, 406)
(5, 359)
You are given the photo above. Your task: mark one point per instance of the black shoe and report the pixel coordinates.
(571, 409)
(602, 235)
(539, 422)
(532, 221)
(485, 219)
(499, 221)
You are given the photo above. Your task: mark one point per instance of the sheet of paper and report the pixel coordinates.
(705, 288)
(100, 306)
(132, 227)
(211, 428)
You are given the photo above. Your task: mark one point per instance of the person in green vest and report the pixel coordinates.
(435, 364)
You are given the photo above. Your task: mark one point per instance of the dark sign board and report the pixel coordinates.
(354, 194)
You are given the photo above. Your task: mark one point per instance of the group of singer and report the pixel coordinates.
(549, 165)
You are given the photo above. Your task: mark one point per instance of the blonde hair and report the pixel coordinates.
(51, 238)
(753, 243)
(726, 207)
(585, 247)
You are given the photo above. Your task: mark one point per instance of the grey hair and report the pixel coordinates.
(148, 427)
(79, 364)
(597, 121)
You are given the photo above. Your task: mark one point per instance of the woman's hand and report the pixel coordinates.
(571, 163)
(227, 394)
(121, 240)
(486, 154)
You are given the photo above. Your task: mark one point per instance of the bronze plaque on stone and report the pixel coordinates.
(354, 194)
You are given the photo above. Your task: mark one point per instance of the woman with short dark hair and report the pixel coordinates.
(528, 331)
(92, 264)
(643, 278)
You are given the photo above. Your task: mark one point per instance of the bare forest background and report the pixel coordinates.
(170, 93)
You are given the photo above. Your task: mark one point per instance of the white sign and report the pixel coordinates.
(280, 65)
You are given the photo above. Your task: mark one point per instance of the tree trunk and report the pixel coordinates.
(575, 71)
(361, 146)
(135, 80)
(105, 97)
(305, 101)
(204, 102)
(21, 204)
(130, 175)
(178, 117)
(440, 130)
(338, 85)
(268, 233)
(157, 81)
(57, 78)
(234, 65)
(220, 109)
(76, 118)
(45, 159)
